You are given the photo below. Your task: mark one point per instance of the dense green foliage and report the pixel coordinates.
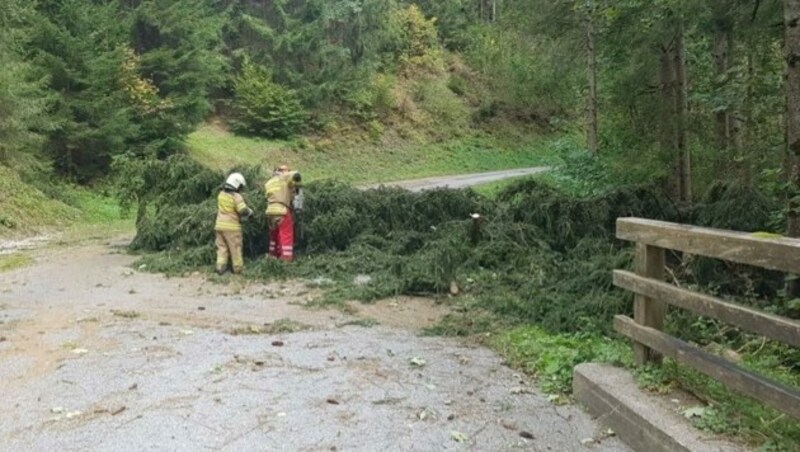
(537, 246)
(263, 107)
(101, 79)
(22, 97)
(126, 78)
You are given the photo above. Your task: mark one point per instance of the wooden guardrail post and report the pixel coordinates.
(649, 263)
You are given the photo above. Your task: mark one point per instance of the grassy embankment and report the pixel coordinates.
(357, 162)
(69, 212)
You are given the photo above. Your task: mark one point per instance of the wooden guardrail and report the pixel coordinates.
(653, 296)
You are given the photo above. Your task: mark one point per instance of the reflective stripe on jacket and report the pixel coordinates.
(230, 205)
(279, 192)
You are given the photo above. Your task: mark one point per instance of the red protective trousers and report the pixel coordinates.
(281, 238)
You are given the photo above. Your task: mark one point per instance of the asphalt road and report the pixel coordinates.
(461, 180)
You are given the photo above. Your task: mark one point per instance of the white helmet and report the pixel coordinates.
(236, 180)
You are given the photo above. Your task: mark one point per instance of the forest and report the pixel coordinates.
(681, 110)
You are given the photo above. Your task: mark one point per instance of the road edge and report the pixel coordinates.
(641, 420)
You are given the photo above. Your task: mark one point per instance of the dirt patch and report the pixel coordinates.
(412, 313)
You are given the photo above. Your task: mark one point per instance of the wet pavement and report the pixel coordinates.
(97, 356)
(461, 180)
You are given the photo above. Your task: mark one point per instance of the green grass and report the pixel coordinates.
(552, 357)
(365, 162)
(28, 210)
(727, 412)
(13, 261)
(491, 189)
(24, 208)
(98, 208)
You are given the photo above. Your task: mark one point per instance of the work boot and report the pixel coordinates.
(220, 271)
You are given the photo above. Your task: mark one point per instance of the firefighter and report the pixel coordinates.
(280, 192)
(231, 210)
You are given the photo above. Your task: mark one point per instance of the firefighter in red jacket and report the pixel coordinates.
(280, 191)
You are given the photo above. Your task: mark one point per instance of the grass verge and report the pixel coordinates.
(551, 357)
(74, 210)
(367, 162)
(24, 208)
(14, 261)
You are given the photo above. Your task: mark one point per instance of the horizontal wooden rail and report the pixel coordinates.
(782, 254)
(772, 393)
(772, 326)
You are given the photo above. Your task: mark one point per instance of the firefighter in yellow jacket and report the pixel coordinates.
(280, 191)
(231, 209)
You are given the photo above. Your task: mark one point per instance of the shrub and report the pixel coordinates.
(416, 43)
(441, 104)
(263, 107)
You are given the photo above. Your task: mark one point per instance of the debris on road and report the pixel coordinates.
(508, 425)
(459, 437)
(417, 362)
(125, 314)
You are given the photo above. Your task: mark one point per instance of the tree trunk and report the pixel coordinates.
(591, 104)
(792, 51)
(722, 129)
(681, 116)
(667, 116)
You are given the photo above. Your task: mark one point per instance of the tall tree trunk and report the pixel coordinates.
(792, 51)
(667, 116)
(591, 104)
(722, 128)
(681, 117)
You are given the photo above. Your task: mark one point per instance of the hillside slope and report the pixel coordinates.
(25, 210)
(364, 161)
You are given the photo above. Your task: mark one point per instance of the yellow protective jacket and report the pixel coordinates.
(279, 191)
(230, 208)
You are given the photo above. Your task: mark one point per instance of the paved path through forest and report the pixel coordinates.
(461, 180)
(96, 355)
